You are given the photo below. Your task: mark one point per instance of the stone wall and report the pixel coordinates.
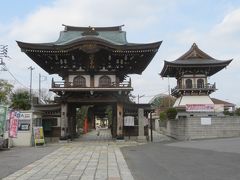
(187, 128)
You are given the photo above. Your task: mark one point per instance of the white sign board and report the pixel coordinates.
(206, 121)
(24, 115)
(128, 121)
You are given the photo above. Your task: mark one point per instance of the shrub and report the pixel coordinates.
(228, 113)
(171, 113)
(237, 111)
(163, 116)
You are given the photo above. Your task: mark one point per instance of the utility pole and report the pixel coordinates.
(39, 90)
(3, 54)
(140, 97)
(39, 81)
(30, 91)
(168, 92)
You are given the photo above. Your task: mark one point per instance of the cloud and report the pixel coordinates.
(230, 25)
(44, 24)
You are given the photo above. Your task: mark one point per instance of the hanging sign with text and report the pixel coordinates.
(200, 107)
(13, 123)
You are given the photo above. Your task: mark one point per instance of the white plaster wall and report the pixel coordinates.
(23, 139)
(194, 79)
(195, 100)
(96, 79)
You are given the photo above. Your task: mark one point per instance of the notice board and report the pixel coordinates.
(38, 136)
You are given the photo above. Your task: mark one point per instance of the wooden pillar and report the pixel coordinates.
(119, 120)
(71, 114)
(92, 81)
(73, 132)
(64, 119)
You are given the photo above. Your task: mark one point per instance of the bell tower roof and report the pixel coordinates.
(194, 60)
(194, 53)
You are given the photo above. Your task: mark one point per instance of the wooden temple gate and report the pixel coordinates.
(94, 64)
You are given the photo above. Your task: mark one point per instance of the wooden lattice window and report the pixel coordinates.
(200, 83)
(189, 83)
(104, 81)
(79, 81)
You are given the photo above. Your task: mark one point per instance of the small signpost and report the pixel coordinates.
(38, 136)
(128, 121)
(206, 121)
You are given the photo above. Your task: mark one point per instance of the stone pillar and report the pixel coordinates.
(157, 125)
(141, 118)
(114, 121)
(64, 119)
(119, 120)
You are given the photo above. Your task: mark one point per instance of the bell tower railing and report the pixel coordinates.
(194, 88)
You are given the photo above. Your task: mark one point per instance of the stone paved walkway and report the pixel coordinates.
(79, 160)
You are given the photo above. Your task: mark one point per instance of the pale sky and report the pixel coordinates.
(213, 24)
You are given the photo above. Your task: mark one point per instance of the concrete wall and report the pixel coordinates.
(187, 128)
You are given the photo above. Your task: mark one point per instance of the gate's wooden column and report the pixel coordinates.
(71, 120)
(64, 119)
(119, 120)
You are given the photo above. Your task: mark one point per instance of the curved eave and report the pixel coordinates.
(87, 40)
(173, 65)
(41, 56)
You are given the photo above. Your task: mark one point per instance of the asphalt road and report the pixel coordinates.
(18, 157)
(193, 160)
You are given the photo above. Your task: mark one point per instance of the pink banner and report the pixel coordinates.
(199, 107)
(13, 124)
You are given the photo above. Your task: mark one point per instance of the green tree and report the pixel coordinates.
(163, 102)
(20, 100)
(5, 91)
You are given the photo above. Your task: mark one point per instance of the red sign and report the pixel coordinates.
(13, 124)
(199, 107)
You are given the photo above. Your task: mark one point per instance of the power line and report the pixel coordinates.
(5, 67)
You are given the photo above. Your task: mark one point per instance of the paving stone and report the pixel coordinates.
(87, 178)
(79, 160)
(74, 177)
(61, 177)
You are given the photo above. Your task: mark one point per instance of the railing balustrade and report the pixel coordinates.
(62, 84)
(195, 87)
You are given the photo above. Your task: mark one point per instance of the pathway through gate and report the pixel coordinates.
(101, 134)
